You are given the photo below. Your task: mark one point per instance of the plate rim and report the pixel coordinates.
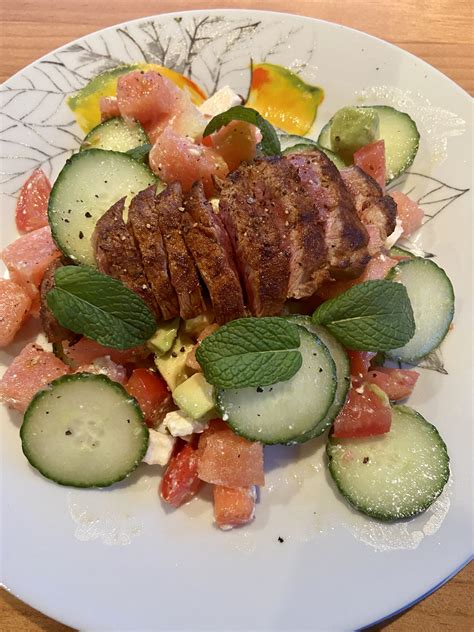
(278, 14)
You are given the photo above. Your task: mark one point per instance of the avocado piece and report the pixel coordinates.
(164, 337)
(351, 129)
(172, 365)
(195, 396)
(194, 326)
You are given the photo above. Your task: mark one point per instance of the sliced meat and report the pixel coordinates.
(345, 235)
(183, 272)
(54, 331)
(248, 208)
(209, 244)
(144, 225)
(117, 255)
(372, 206)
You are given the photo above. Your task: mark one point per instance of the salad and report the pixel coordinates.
(210, 281)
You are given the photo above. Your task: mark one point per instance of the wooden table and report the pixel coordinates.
(438, 31)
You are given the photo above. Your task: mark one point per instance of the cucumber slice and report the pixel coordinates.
(115, 135)
(89, 183)
(401, 136)
(84, 430)
(285, 412)
(395, 475)
(432, 299)
(289, 140)
(343, 371)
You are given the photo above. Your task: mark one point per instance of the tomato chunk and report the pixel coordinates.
(181, 482)
(409, 213)
(229, 460)
(150, 391)
(398, 384)
(32, 206)
(371, 159)
(360, 362)
(365, 413)
(14, 307)
(30, 371)
(233, 506)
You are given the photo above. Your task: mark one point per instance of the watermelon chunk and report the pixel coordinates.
(14, 307)
(226, 459)
(233, 506)
(28, 257)
(398, 384)
(32, 206)
(29, 372)
(408, 212)
(85, 351)
(236, 142)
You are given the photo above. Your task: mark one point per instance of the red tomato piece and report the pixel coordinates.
(236, 142)
(176, 158)
(229, 460)
(398, 384)
(360, 362)
(28, 257)
(32, 206)
(181, 482)
(150, 391)
(409, 213)
(85, 351)
(364, 414)
(233, 506)
(30, 371)
(371, 159)
(15, 304)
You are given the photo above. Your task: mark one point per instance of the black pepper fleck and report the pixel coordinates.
(81, 235)
(259, 389)
(182, 349)
(174, 354)
(365, 459)
(87, 214)
(320, 369)
(280, 539)
(68, 432)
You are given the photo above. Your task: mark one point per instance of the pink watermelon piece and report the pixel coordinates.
(85, 351)
(233, 506)
(15, 304)
(29, 372)
(409, 213)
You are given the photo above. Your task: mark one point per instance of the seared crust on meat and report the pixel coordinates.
(247, 208)
(116, 254)
(372, 206)
(183, 272)
(345, 235)
(144, 225)
(54, 331)
(211, 249)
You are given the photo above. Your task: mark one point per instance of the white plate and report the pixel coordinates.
(116, 559)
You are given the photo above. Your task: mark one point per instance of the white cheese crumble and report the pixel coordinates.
(160, 448)
(180, 425)
(221, 101)
(395, 236)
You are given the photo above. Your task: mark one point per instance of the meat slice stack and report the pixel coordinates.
(284, 226)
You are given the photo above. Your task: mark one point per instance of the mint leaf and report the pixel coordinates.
(251, 352)
(371, 316)
(270, 144)
(99, 307)
(140, 153)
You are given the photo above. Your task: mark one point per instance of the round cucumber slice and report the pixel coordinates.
(84, 430)
(432, 299)
(395, 475)
(302, 148)
(343, 371)
(115, 135)
(288, 411)
(88, 185)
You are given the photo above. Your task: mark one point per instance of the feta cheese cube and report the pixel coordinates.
(160, 448)
(221, 101)
(180, 425)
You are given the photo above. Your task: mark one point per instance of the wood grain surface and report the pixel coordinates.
(438, 31)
